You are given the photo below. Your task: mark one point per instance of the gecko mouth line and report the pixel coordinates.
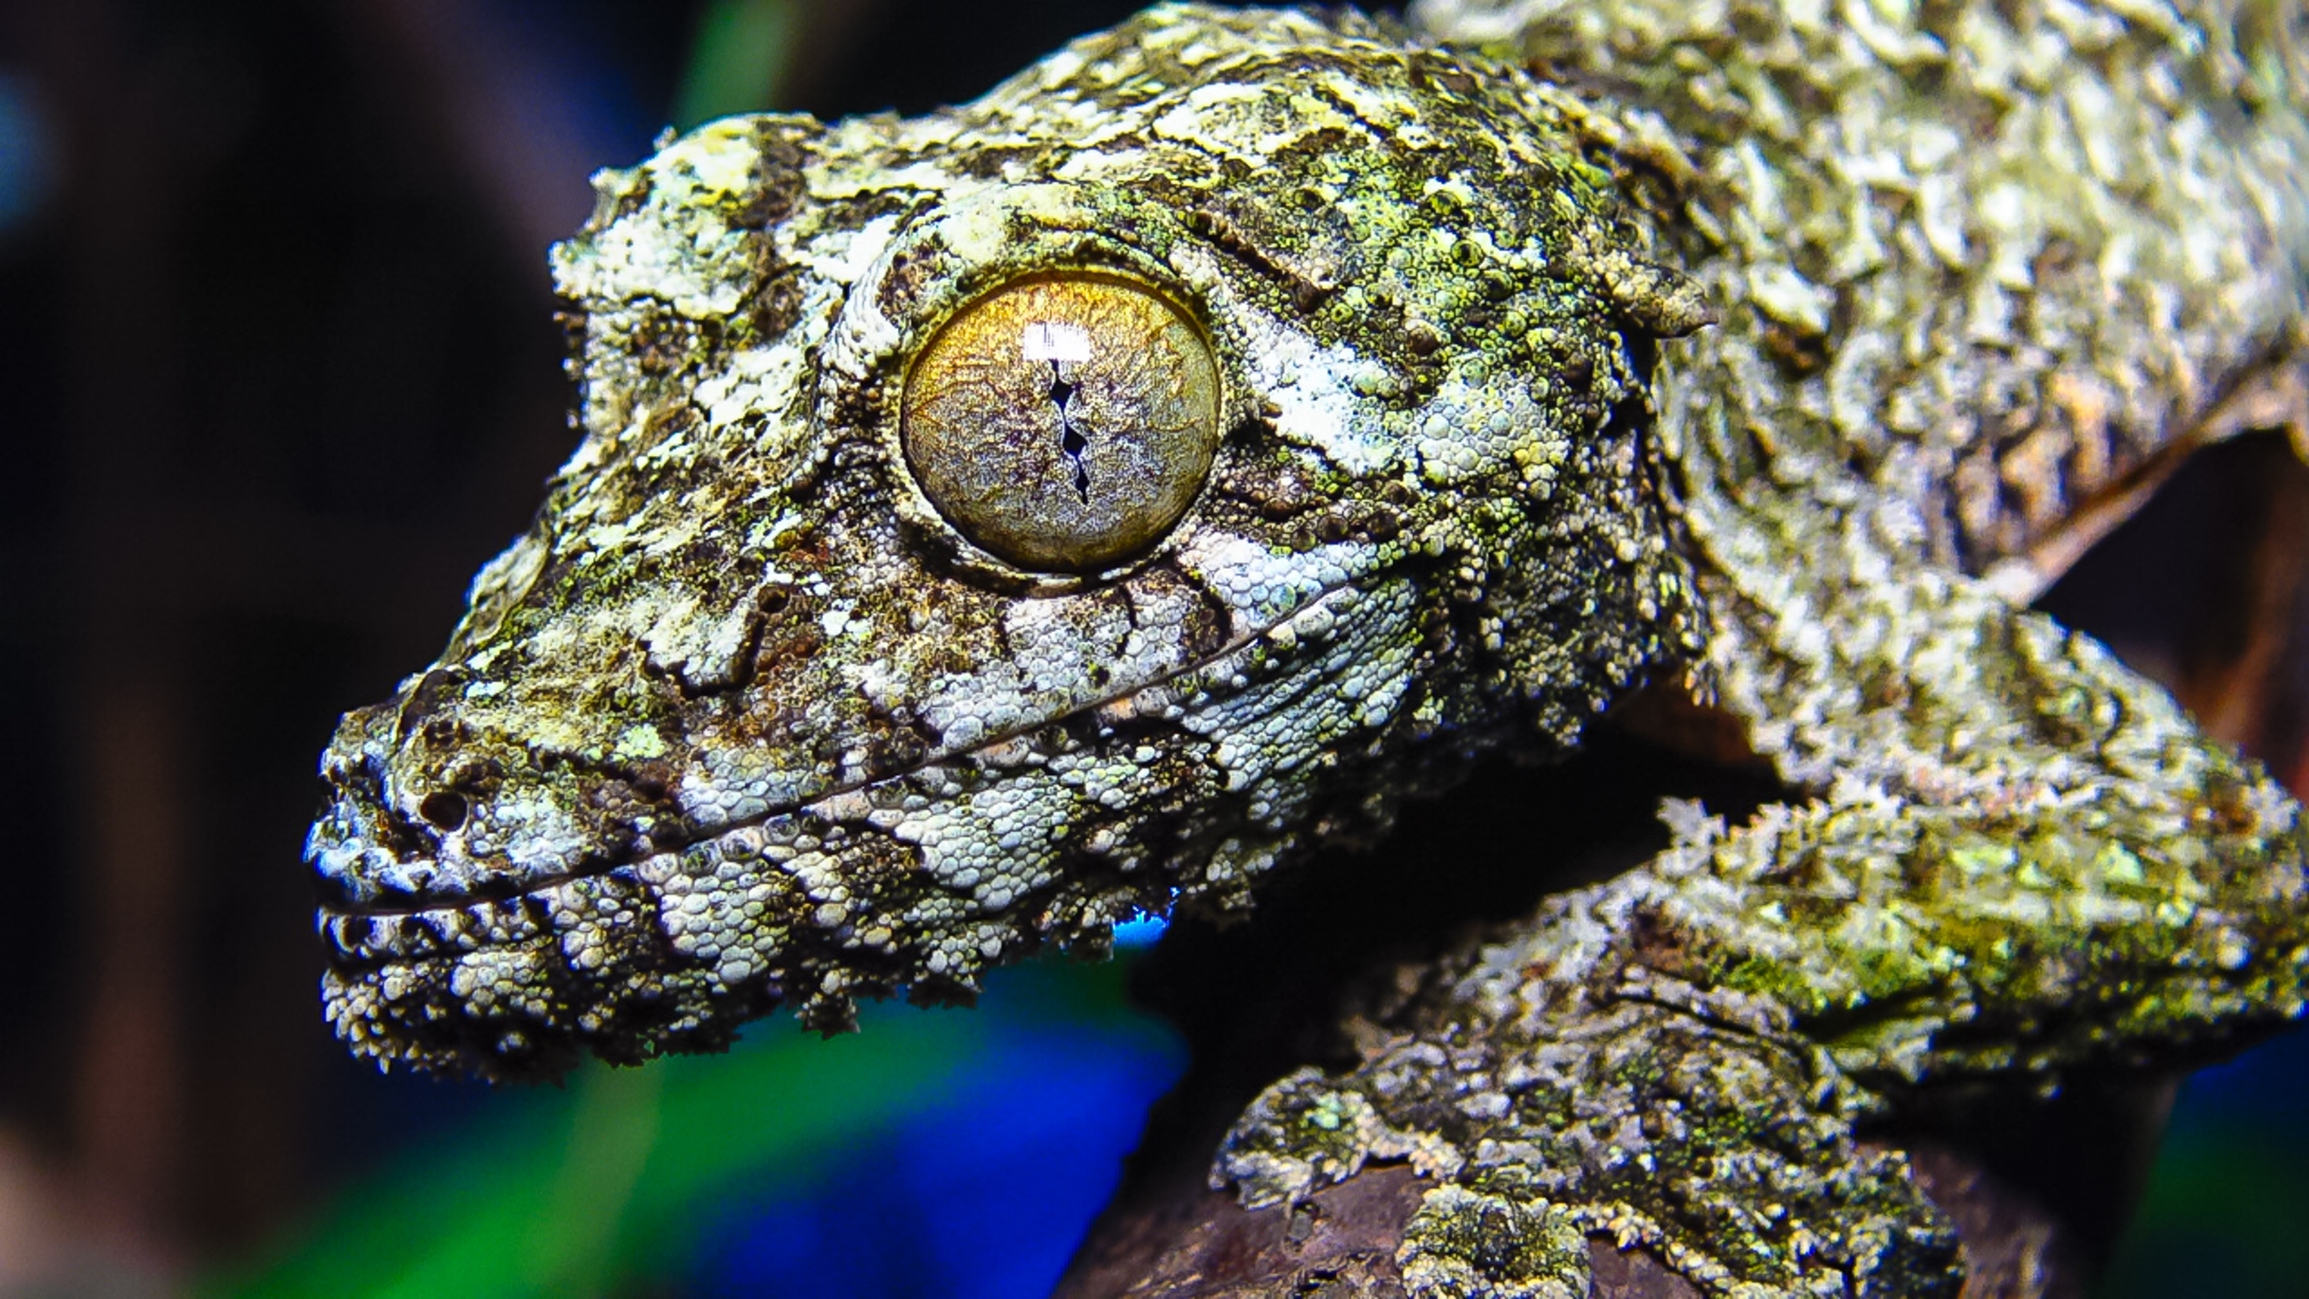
(513, 891)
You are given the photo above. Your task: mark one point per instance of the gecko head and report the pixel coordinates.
(992, 525)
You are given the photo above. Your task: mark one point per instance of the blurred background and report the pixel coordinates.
(278, 372)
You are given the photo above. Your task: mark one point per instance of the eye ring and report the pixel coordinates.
(1064, 420)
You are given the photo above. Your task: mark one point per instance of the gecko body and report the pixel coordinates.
(993, 525)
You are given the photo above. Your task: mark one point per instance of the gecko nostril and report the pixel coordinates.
(445, 808)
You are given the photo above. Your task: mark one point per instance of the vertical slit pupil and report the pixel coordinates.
(1071, 439)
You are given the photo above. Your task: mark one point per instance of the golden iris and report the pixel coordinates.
(1063, 421)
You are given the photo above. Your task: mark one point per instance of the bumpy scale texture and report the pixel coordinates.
(1979, 267)
(744, 719)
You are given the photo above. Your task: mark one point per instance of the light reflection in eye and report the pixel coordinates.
(1054, 340)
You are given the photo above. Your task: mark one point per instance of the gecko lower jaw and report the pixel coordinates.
(366, 921)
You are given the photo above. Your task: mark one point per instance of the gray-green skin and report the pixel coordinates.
(743, 719)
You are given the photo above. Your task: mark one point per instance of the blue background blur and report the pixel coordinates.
(935, 1153)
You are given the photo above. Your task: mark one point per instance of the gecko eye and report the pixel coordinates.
(1063, 421)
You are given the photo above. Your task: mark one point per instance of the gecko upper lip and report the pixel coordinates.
(511, 885)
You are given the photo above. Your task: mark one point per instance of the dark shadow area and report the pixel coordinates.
(2206, 590)
(1257, 999)
(2072, 1165)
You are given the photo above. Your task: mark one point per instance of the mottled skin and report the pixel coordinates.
(743, 719)
(1991, 269)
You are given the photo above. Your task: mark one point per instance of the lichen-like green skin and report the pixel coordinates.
(1677, 1058)
(743, 720)
(1466, 1242)
(1974, 264)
